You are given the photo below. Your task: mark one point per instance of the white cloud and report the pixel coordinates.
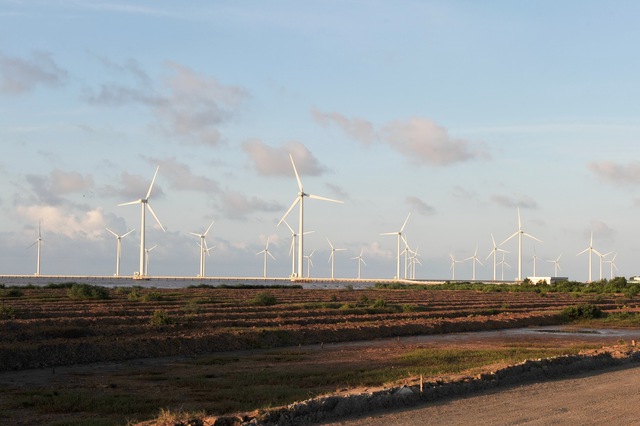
(356, 128)
(18, 75)
(270, 161)
(237, 206)
(181, 177)
(612, 172)
(59, 220)
(416, 204)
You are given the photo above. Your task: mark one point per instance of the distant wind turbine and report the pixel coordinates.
(602, 256)
(520, 233)
(292, 250)
(453, 266)
(119, 248)
(503, 263)
(473, 260)
(590, 250)
(535, 258)
(146, 264)
(612, 265)
(399, 234)
(144, 202)
(360, 263)
(39, 244)
(204, 250)
(332, 256)
(309, 263)
(300, 200)
(556, 265)
(494, 253)
(266, 252)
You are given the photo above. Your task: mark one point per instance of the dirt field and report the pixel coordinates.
(603, 397)
(112, 361)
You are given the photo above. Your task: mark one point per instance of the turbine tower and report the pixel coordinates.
(612, 265)
(591, 250)
(332, 256)
(39, 243)
(399, 234)
(453, 266)
(266, 252)
(494, 252)
(204, 250)
(119, 248)
(309, 263)
(300, 200)
(503, 263)
(520, 233)
(146, 260)
(360, 262)
(144, 204)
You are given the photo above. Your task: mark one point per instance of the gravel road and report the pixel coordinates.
(604, 397)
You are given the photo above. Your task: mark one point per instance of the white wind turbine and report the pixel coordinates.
(146, 259)
(266, 252)
(612, 265)
(144, 202)
(309, 263)
(556, 265)
(292, 250)
(473, 260)
(602, 256)
(332, 256)
(453, 266)
(39, 243)
(535, 259)
(119, 248)
(590, 250)
(494, 253)
(204, 250)
(503, 263)
(520, 233)
(399, 234)
(300, 200)
(413, 261)
(360, 263)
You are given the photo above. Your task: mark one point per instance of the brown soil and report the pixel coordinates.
(110, 351)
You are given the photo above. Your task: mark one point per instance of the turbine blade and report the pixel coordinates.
(296, 172)
(209, 228)
(331, 245)
(152, 182)
(317, 197)
(390, 233)
(289, 211)
(583, 251)
(405, 223)
(512, 235)
(128, 233)
(155, 217)
(130, 203)
(270, 255)
(114, 234)
(531, 236)
(287, 223)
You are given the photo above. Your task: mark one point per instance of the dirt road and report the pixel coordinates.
(605, 397)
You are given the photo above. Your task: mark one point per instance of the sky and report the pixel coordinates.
(455, 112)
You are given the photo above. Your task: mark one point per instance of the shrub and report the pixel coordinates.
(264, 299)
(161, 317)
(408, 308)
(582, 311)
(152, 296)
(10, 292)
(87, 291)
(379, 303)
(8, 312)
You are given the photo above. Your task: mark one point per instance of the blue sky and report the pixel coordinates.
(455, 111)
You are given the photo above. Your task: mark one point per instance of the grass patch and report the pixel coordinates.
(161, 317)
(11, 292)
(87, 291)
(7, 312)
(584, 311)
(264, 299)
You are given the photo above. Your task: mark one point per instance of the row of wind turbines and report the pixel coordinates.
(297, 244)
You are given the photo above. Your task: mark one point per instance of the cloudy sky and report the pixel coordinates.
(457, 112)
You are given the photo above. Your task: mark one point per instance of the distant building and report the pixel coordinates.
(548, 280)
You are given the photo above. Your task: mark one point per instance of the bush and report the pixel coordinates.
(152, 296)
(161, 317)
(582, 311)
(86, 291)
(264, 299)
(8, 312)
(10, 292)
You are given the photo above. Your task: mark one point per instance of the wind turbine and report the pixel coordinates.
(520, 233)
(39, 243)
(360, 263)
(399, 234)
(204, 250)
(589, 249)
(292, 249)
(413, 261)
(473, 260)
(309, 263)
(503, 263)
(146, 257)
(612, 264)
(453, 266)
(144, 202)
(119, 248)
(556, 265)
(494, 252)
(535, 258)
(300, 199)
(602, 256)
(332, 256)
(266, 252)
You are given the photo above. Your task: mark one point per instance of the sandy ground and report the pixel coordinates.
(604, 397)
